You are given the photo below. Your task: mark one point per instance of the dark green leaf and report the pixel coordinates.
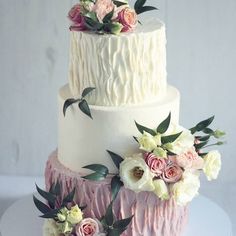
(42, 207)
(51, 214)
(208, 131)
(200, 145)
(46, 195)
(121, 224)
(135, 138)
(170, 138)
(202, 125)
(204, 138)
(109, 216)
(82, 207)
(69, 198)
(57, 189)
(115, 158)
(145, 9)
(202, 154)
(116, 184)
(98, 168)
(162, 128)
(142, 128)
(115, 232)
(95, 176)
(107, 18)
(193, 130)
(119, 4)
(92, 24)
(139, 4)
(84, 107)
(68, 103)
(87, 91)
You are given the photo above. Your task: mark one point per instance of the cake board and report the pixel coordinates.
(205, 219)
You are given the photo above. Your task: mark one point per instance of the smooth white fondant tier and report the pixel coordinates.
(126, 69)
(84, 141)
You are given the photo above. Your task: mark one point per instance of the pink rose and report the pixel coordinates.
(77, 18)
(87, 227)
(128, 18)
(190, 160)
(172, 173)
(156, 164)
(102, 8)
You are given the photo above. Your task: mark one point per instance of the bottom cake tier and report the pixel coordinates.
(152, 217)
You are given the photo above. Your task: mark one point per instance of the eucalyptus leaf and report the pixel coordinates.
(142, 128)
(95, 176)
(170, 138)
(68, 103)
(69, 198)
(115, 158)
(87, 91)
(145, 9)
(98, 168)
(116, 184)
(42, 207)
(84, 107)
(51, 214)
(47, 196)
(109, 216)
(119, 4)
(163, 127)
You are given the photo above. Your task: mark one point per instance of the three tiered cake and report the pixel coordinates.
(124, 165)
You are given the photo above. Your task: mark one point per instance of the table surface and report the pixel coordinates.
(205, 219)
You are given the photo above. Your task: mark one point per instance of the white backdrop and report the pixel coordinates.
(34, 63)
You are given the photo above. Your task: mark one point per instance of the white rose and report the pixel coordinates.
(64, 228)
(161, 189)
(186, 189)
(184, 142)
(148, 142)
(75, 215)
(135, 174)
(212, 165)
(50, 228)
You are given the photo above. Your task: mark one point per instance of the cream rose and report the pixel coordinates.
(50, 228)
(74, 215)
(186, 189)
(148, 142)
(212, 165)
(161, 189)
(135, 174)
(102, 8)
(64, 228)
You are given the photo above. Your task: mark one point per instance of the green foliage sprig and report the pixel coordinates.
(83, 104)
(140, 7)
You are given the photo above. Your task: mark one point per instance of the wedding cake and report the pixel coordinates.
(124, 165)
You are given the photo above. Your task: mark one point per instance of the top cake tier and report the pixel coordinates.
(125, 69)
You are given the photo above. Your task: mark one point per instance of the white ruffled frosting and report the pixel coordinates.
(126, 69)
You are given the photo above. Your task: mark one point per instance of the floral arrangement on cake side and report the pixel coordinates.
(169, 162)
(106, 16)
(63, 217)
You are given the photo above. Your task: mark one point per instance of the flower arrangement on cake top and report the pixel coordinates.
(169, 162)
(106, 16)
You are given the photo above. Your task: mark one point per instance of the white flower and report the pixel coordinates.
(184, 142)
(212, 165)
(161, 189)
(160, 152)
(148, 142)
(74, 215)
(186, 189)
(50, 228)
(135, 174)
(64, 228)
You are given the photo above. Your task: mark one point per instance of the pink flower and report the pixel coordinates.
(156, 164)
(87, 227)
(172, 173)
(77, 18)
(190, 160)
(128, 18)
(102, 8)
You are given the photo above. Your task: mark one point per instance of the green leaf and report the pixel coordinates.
(47, 195)
(139, 4)
(145, 9)
(84, 107)
(69, 198)
(208, 131)
(109, 216)
(163, 127)
(87, 91)
(107, 18)
(121, 224)
(170, 138)
(68, 103)
(115, 232)
(201, 145)
(203, 154)
(95, 176)
(42, 207)
(98, 168)
(142, 128)
(119, 4)
(115, 158)
(135, 138)
(92, 24)
(203, 138)
(51, 214)
(202, 125)
(116, 184)
(83, 207)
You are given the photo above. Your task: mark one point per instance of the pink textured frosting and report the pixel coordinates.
(151, 215)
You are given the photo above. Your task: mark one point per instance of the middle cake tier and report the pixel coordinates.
(83, 141)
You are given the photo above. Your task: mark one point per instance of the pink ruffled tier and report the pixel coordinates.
(152, 217)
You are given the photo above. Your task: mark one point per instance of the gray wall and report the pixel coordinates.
(34, 62)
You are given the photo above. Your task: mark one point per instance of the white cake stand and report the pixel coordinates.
(206, 219)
